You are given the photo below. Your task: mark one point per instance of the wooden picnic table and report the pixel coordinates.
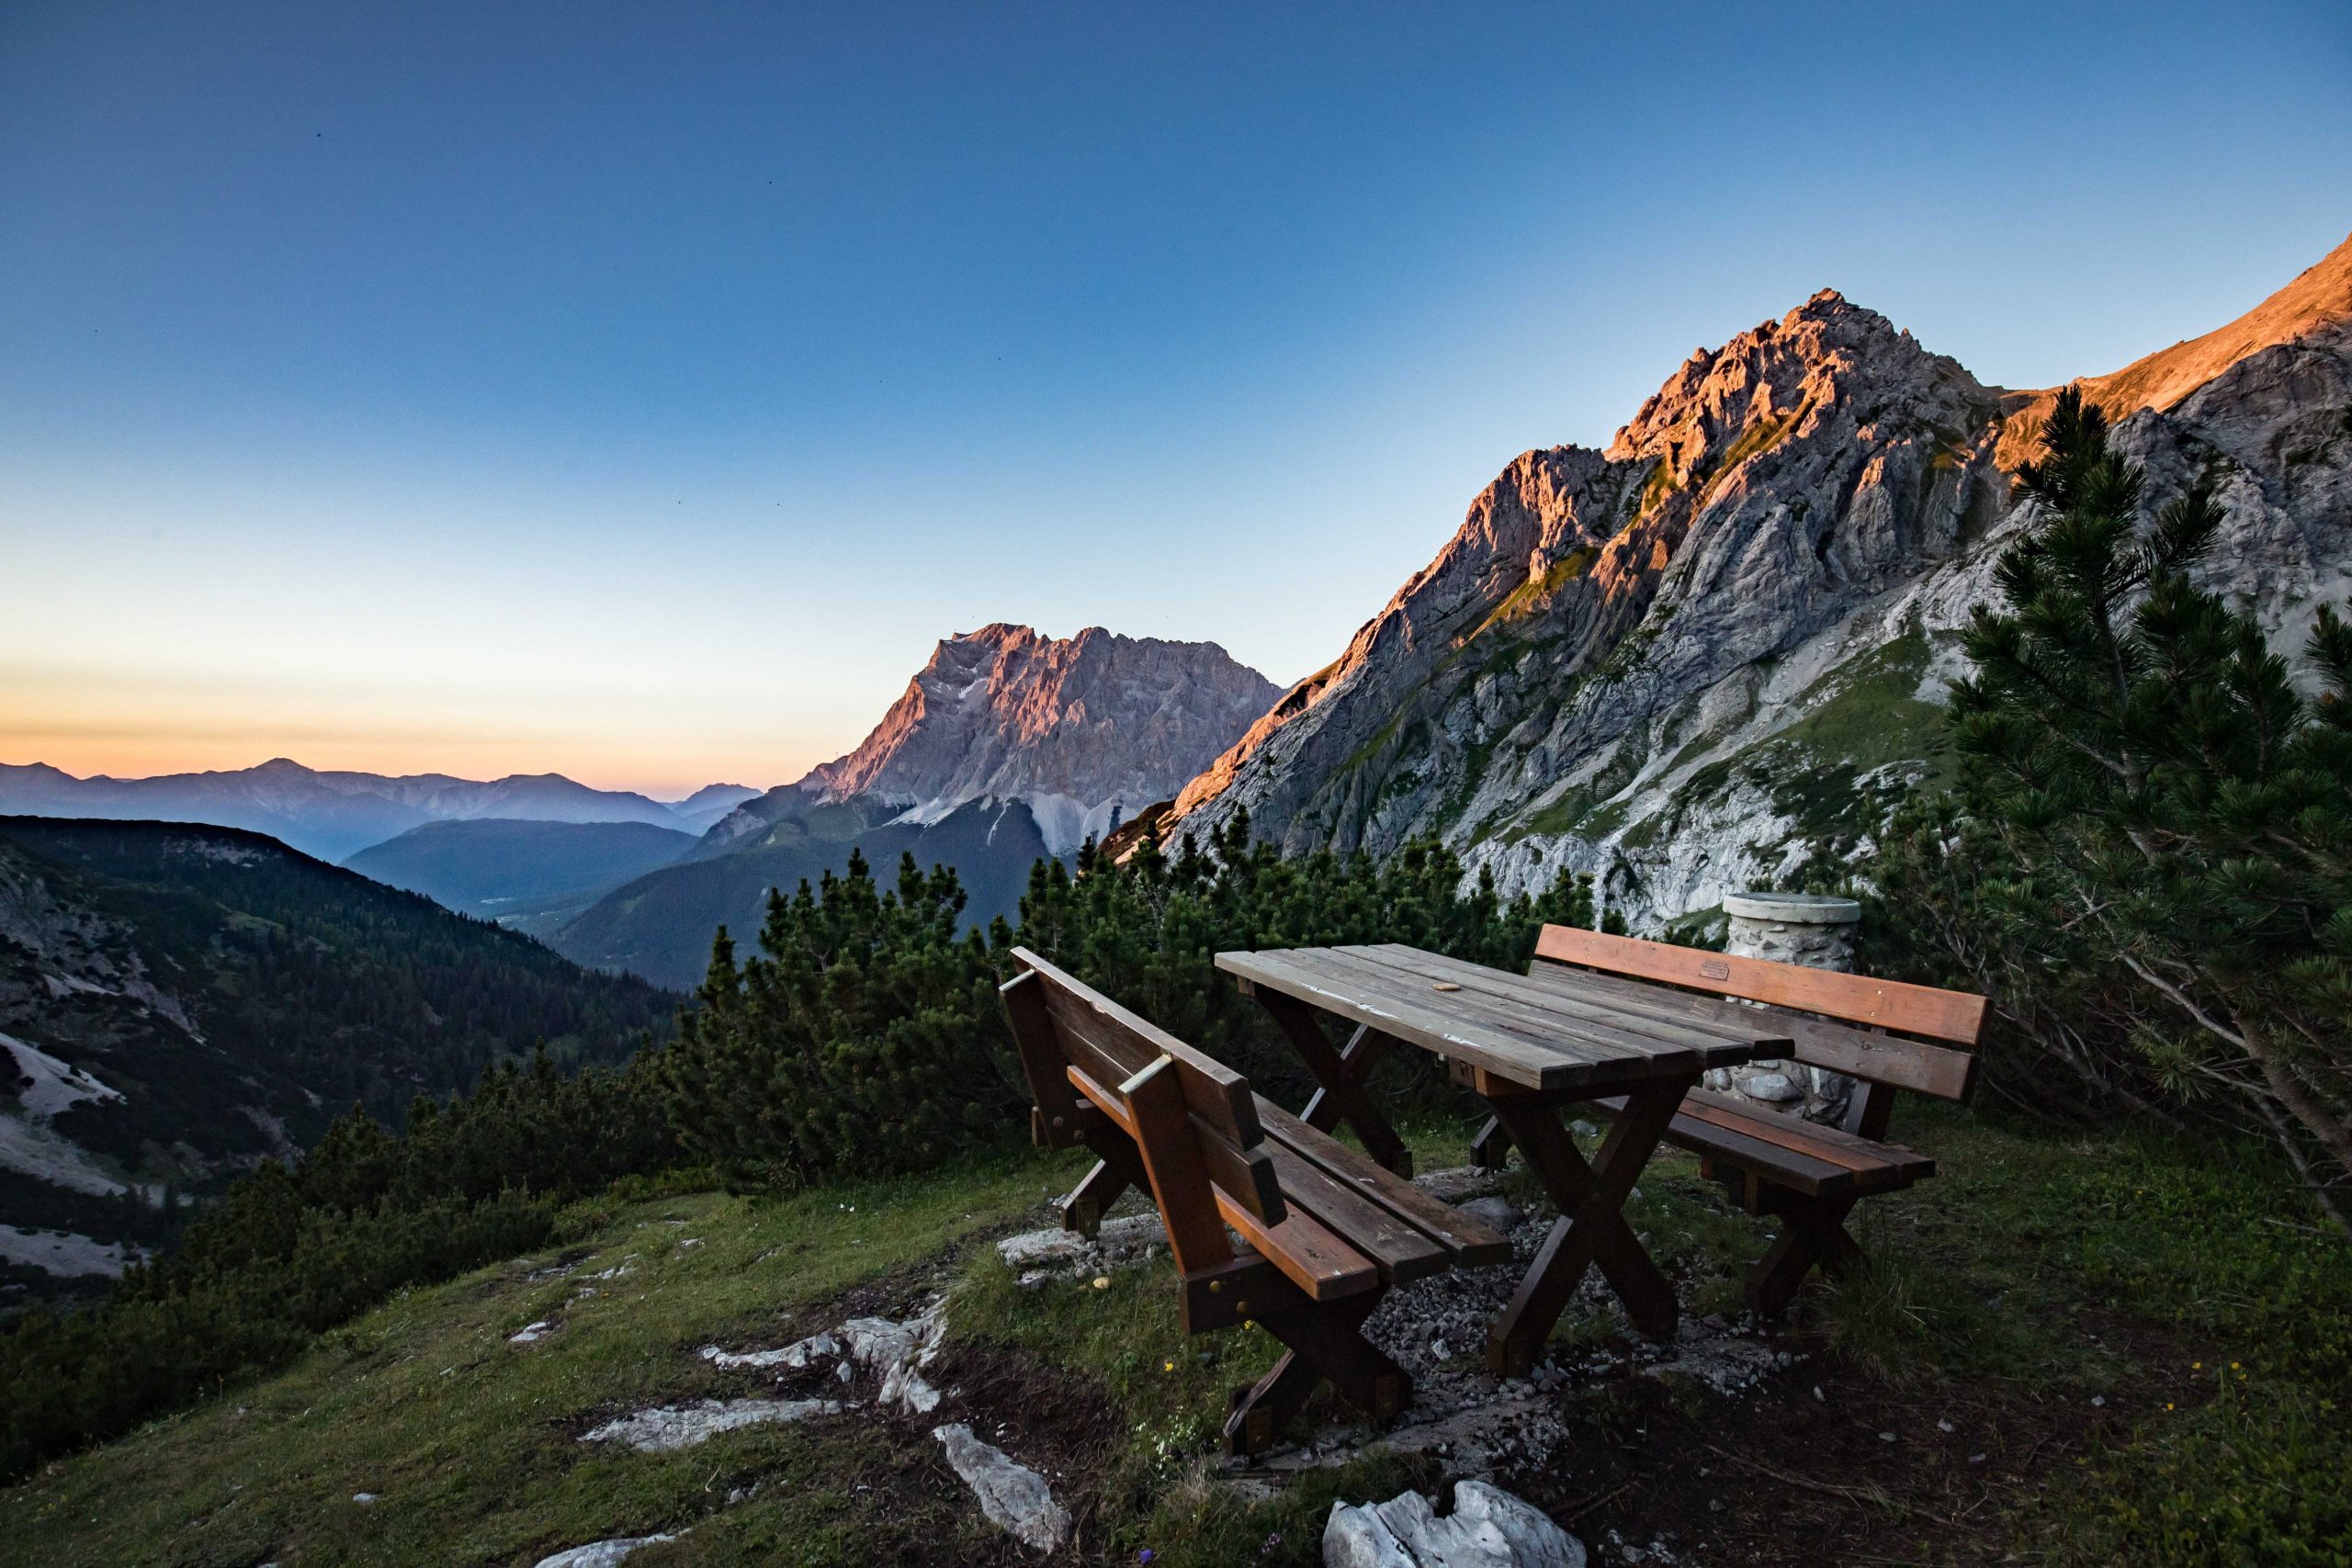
(1527, 1047)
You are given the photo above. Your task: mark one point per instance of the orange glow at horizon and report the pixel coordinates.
(665, 747)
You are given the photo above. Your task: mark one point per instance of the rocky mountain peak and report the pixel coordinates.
(1084, 730)
(1798, 467)
(1825, 353)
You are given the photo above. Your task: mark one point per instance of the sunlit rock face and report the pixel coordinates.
(1681, 662)
(1083, 730)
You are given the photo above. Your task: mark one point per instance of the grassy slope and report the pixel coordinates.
(2037, 1274)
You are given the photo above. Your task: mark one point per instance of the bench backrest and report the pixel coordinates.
(1825, 1008)
(1193, 1120)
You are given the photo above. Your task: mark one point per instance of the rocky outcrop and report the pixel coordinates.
(1083, 730)
(1683, 661)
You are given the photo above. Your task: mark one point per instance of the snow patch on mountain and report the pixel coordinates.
(46, 1085)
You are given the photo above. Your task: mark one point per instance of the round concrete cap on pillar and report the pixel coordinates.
(1796, 909)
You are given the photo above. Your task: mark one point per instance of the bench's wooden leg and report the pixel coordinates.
(1490, 1150)
(1347, 1099)
(1359, 1056)
(1325, 1343)
(1262, 1410)
(1113, 1173)
(1591, 1227)
(1812, 1231)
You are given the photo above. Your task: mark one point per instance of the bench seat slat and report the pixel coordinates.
(1829, 1144)
(1784, 1168)
(1302, 1247)
(1466, 1240)
(1771, 1146)
(1402, 1253)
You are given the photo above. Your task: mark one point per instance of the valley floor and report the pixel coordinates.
(2075, 1350)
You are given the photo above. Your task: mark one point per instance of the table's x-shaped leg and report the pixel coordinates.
(1342, 1097)
(1591, 1227)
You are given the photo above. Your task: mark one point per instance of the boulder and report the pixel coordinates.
(1487, 1528)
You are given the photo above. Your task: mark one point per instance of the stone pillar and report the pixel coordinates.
(1791, 928)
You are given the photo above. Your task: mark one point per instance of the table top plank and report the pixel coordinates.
(1471, 1007)
(1512, 1060)
(1682, 1041)
(1539, 1035)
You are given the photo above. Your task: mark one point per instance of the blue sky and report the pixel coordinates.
(638, 391)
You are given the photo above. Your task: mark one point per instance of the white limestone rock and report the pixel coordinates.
(668, 1427)
(1487, 1528)
(1056, 1253)
(1013, 1497)
(601, 1554)
(796, 1356)
(896, 1353)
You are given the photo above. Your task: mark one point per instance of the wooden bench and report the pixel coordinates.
(1269, 1220)
(1885, 1034)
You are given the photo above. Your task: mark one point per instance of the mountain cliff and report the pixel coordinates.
(1082, 730)
(1684, 660)
(332, 815)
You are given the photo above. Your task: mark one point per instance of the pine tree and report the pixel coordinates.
(2169, 809)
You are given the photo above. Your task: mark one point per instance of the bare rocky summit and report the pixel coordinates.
(1682, 660)
(1083, 730)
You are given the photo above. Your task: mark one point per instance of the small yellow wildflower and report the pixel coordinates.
(2196, 1366)
(2167, 1404)
(1167, 1366)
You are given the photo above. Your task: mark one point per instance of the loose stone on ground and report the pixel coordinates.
(1012, 1497)
(1487, 1528)
(601, 1554)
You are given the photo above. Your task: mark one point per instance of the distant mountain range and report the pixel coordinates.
(332, 815)
(1006, 746)
(178, 1002)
